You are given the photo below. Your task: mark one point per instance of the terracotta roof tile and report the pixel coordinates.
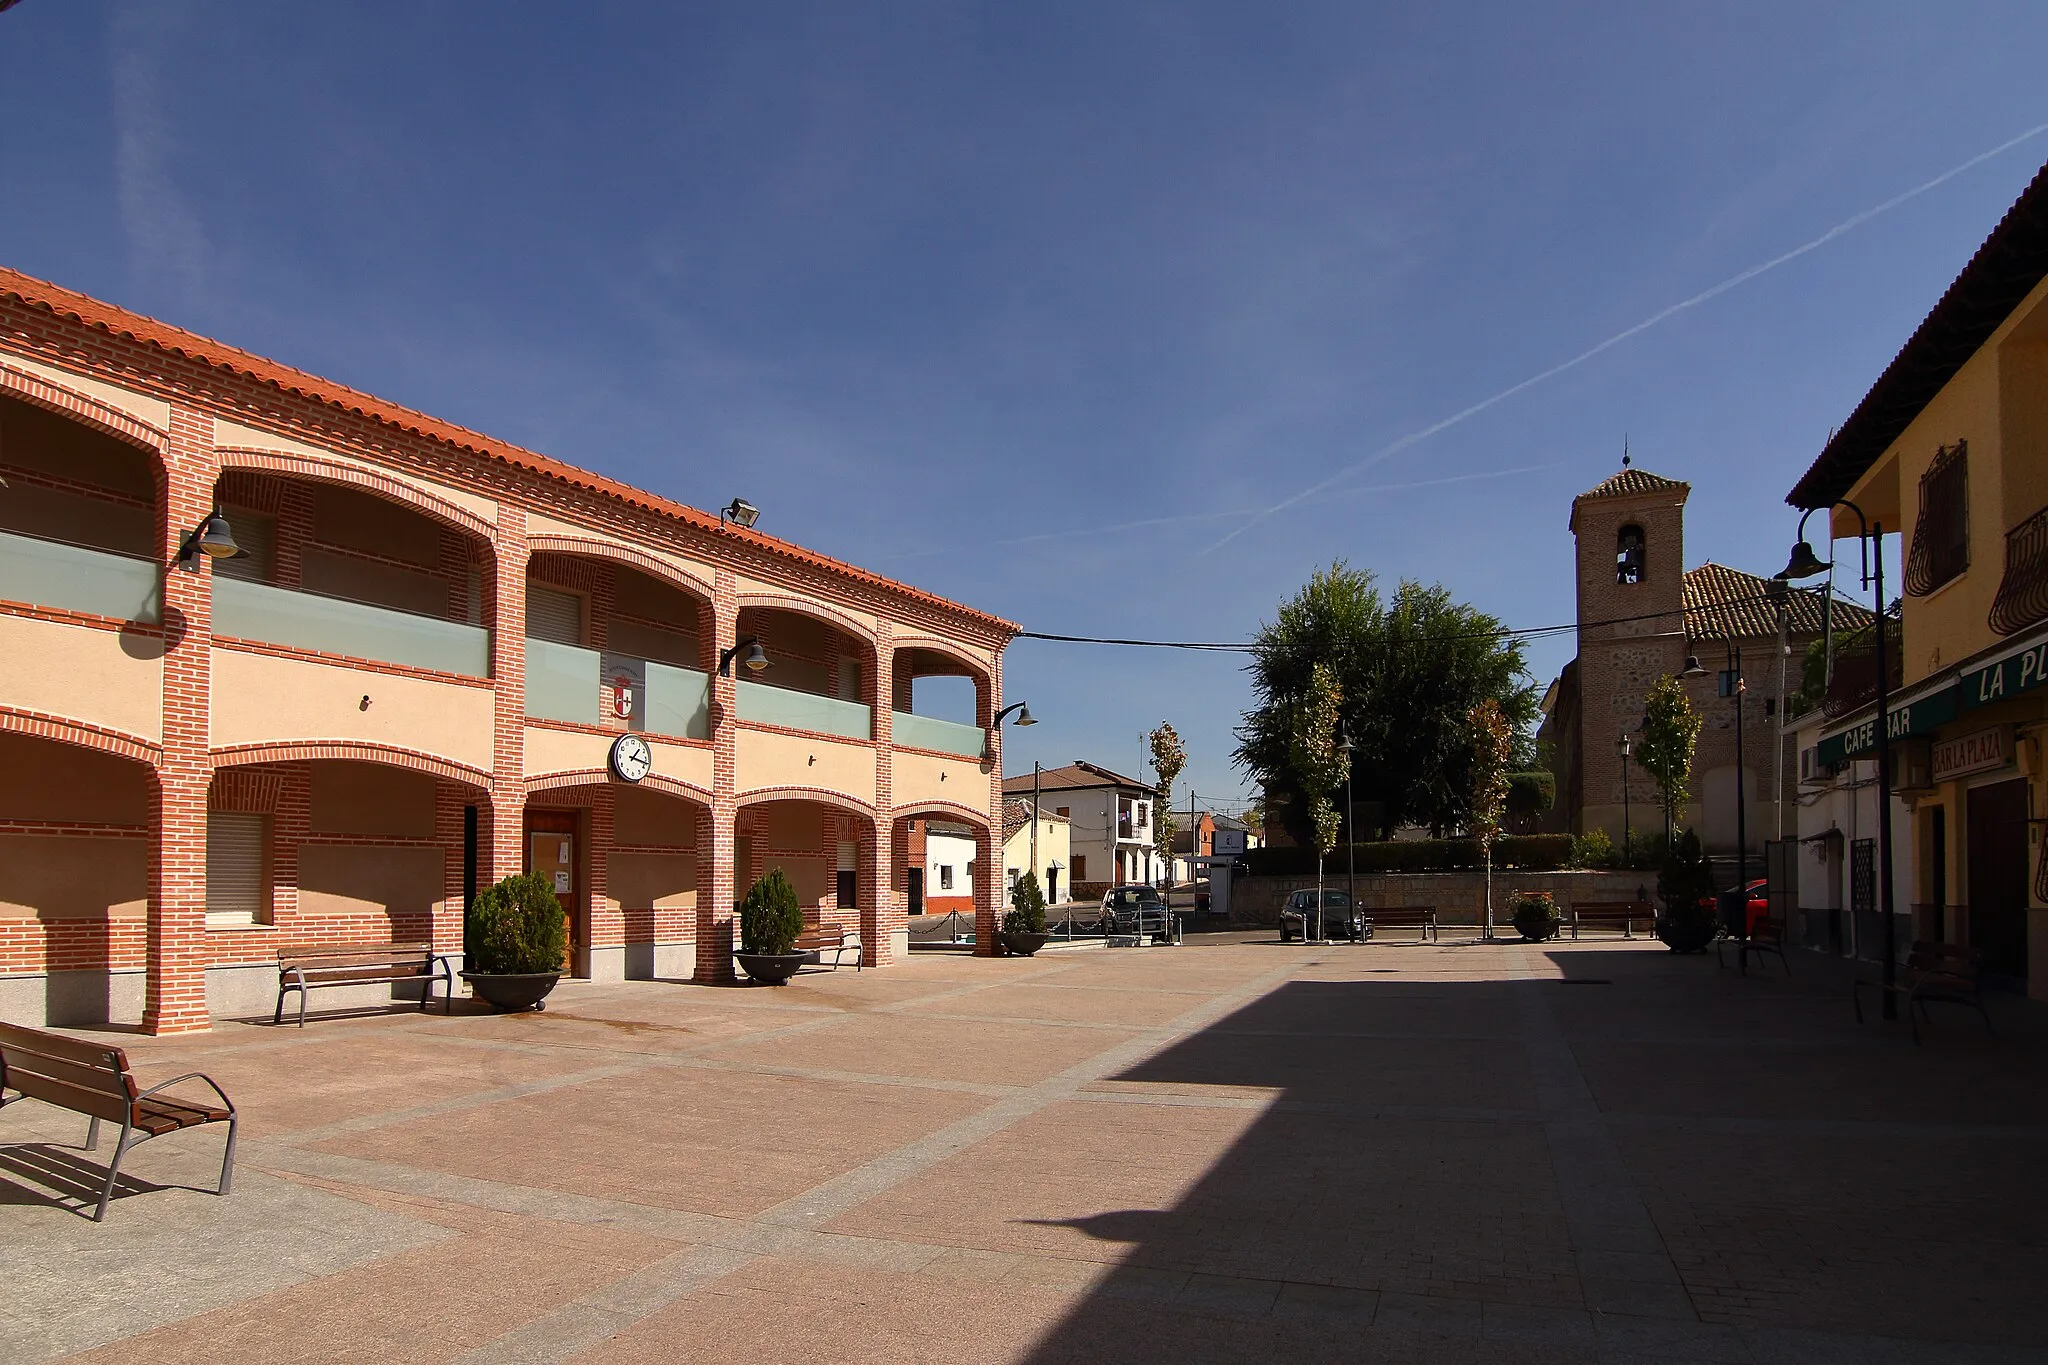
(148, 331)
(1723, 604)
(1075, 776)
(1630, 482)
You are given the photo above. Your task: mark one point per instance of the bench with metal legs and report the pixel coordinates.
(89, 1079)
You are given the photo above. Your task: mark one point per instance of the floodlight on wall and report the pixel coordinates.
(756, 660)
(212, 537)
(740, 512)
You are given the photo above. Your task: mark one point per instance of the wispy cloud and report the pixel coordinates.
(1733, 281)
(1197, 518)
(166, 241)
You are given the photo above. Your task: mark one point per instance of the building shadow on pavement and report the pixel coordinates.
(1628, 1154)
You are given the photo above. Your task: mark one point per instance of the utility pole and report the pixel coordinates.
(1034, 819)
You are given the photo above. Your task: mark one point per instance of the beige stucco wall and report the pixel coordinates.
(1952, 622)
(684, 762)
(260, 699)
(766, 758)
(927, 777)
(153, 411)
(107, 678)
(54, 877)
(1054, 846)
(564, 751)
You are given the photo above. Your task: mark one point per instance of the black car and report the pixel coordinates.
(1340, 919)
(1137, 910)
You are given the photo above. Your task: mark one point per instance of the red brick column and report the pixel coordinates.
(881, 914)
(175, 990)
(503, 853)
(607, 920)
(449, 800)
(988, 850)
(714, 845)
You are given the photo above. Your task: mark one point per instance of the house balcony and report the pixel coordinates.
(565, 683)
(52, 574)
(939, 736)
(102, 677)
(789, 709)
(261, 613)
(2022, 598)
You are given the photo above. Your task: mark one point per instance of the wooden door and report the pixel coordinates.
(551, 837)
(1997, 817)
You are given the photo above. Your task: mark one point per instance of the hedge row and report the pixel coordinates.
(1529, 852)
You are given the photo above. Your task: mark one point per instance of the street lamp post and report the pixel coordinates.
(1738, 688)
(1627, 830)
(1804, 563)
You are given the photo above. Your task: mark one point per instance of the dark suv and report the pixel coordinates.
(1137, 910)
(1340, 919)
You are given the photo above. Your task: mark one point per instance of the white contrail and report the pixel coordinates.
(1182, 519)
(1847, 225)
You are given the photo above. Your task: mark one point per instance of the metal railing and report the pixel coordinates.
(2023, 593)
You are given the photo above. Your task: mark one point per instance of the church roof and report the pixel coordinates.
(1630, 482)
(1727, 604)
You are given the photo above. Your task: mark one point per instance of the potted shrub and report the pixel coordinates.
(516, 935)
(1535, 915)
(770, 921)
(1685, 886)
(1024, 924)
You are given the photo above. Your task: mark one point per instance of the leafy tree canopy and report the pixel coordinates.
(1409, 669)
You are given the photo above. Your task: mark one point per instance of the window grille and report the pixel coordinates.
(1941, 536)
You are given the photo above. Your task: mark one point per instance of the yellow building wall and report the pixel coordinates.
(261, 699)
(112, 679)
(768, 758)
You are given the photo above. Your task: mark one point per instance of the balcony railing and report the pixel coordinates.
(2023, 592)
(334, 625)
(678, 702)
(946, 736)
(561, 682)
(765, 705)
(1855, 682)
(49, 573)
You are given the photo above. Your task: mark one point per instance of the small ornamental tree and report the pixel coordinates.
(1168, 758)
(1319, 764)
(1671, 731)
(1027, 907)
(516, 928)
(1493, 743)
(770, 918)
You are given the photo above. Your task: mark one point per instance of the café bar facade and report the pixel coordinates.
(281, 662)
(1948, 452)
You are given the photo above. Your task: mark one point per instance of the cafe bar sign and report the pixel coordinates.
(1977, 752)
(1917, 717)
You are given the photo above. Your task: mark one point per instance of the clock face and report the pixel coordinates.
(631, 758)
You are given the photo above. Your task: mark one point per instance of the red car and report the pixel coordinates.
(1759, 903)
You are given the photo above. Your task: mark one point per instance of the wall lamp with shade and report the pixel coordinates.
(212, 537)
(756, 659)
(739, 512)
(1023, 711)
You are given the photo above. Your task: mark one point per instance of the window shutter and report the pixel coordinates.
(234, 868)
(554, 615)
(257, 535)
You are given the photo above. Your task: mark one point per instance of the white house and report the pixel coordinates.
(1837, 859)
(1109, 823)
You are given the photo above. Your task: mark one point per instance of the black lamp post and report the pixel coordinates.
(1627, 830)
(1734, 685)
(1804, 563)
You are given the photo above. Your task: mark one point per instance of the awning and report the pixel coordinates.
(2021, 671)
(1919, 715)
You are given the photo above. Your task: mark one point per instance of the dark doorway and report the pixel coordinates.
(1052, 886)
(1997, 827)
(848, 886)
(1937, 873)
(916, 890)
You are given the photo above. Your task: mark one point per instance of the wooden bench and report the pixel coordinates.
(309, 966)
(1767, 935)
(1418, 917)
(1933, 973)
(826, 937)
(94, 1080)
(1625, 915)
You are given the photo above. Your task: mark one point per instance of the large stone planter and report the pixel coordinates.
(1024, 945)
(771, 969)
(513, 991)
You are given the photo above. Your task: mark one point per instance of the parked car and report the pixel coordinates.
(1758, 906)
(1340, 918)
(1135, 910)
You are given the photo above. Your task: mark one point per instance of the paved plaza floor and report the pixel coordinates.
(1229, 1150)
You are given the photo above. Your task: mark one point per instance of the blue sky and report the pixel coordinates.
(924, 279)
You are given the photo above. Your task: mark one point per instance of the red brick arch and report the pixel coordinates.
(672, 574)
(824, 796)
(352, 750)
(340, 472)
(80, 733)
(590, 777)
(33, 388)
(978, 669)
(805, 606)
(948, 809)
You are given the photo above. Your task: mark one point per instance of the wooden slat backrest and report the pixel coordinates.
(1637, 909)
(361, 971)
(1944, 959)
(1384, 912)
(348, 954)
(84, 1077)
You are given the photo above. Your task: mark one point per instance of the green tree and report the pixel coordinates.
(1493, 745)
(1671, 731)
(1317, 762)
(1168, 758)
(1409, 669)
